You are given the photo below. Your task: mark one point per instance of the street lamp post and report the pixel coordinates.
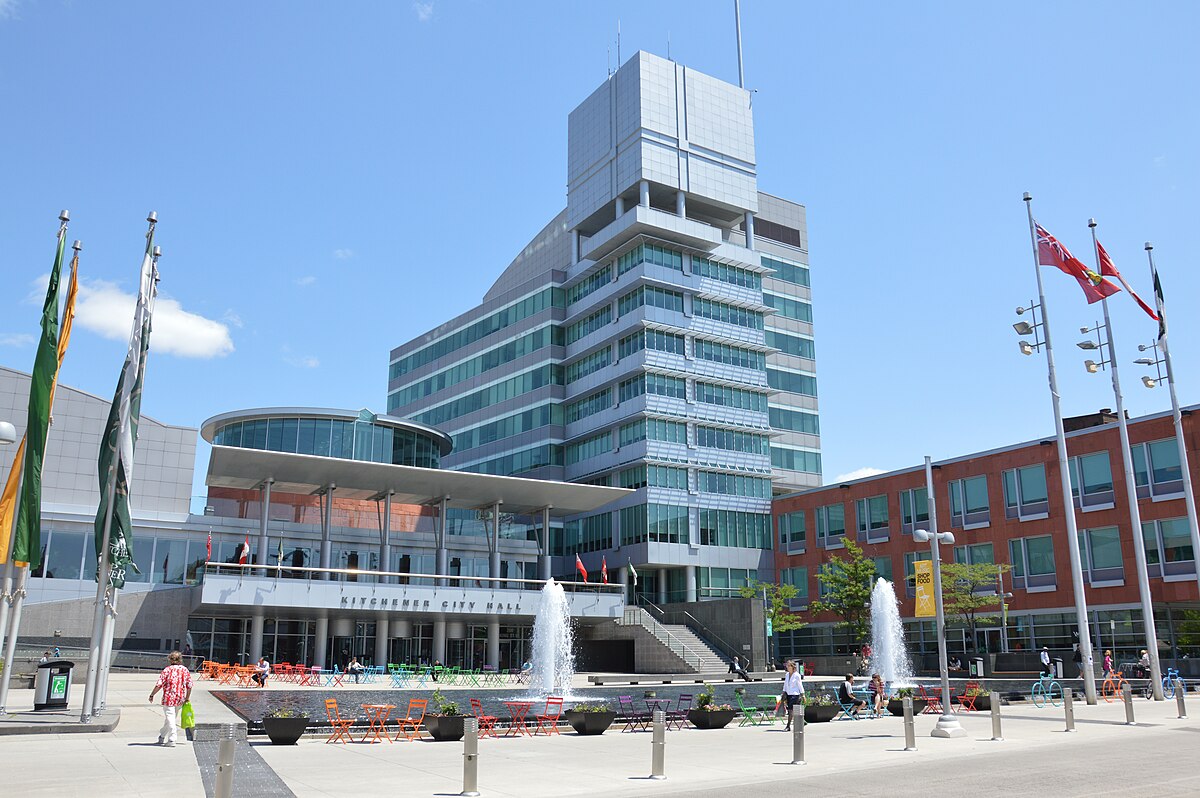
(947, 725)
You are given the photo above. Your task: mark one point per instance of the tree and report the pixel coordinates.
(846, 590)
(782, 619)
(968, 590)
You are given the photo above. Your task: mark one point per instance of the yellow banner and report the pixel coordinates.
(8, 499)
(923, 574)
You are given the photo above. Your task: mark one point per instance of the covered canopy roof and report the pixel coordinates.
(234, 467)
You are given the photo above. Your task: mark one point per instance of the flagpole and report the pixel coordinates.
(102, 580)
(1081, 617)
(1189, 495)
(1135, 514)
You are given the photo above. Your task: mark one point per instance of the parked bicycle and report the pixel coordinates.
(1114, 685)
(1171, 681)
(1046, 689)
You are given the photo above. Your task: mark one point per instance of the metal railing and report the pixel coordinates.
(704, 633)
(636, 616)
(399, 578)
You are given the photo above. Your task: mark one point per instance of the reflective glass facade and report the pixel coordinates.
(330, 437)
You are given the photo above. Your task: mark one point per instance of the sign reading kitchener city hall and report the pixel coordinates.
(428, 605)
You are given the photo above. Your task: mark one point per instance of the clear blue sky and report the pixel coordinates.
(333, 179)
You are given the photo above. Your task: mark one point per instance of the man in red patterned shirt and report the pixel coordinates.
(176, 683)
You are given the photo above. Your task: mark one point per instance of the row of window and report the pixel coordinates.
(789, 308)
(788, 272)
(792, 382)
(729, 355)
(650, 253)
(654, 476)
(534, 418)
(505, 317)
(732, 440)
(658, 340)
(790, 344)
(726, 273)
(729, 314)
(589, 447)
(795, 420)
(733, 484)
(589, 405)
(654, 523)
(658, 384)
(493, 394)
(351, 440)
(588, 365)
(650, 295)
(519, 462)
(594, 281)
(728, 396)
(790, 459)
(589, 325)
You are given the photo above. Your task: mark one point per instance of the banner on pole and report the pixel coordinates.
(923, 576)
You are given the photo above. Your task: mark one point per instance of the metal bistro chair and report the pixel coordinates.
(548, 720)
(634, 718)
(341, 726)
(410, 725)
(677, 717)
(487, 723)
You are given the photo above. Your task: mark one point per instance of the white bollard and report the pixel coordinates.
(223, 786)
(1127, 697)
(1069, 709)
(659, 744)
(470, 756)
(798, 735)
(1180, 701)
(910, 733)
(994, 700)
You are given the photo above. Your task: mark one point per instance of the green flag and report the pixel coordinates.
(27, 546)
(120, 432)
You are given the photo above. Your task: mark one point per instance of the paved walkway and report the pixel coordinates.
(844, 758)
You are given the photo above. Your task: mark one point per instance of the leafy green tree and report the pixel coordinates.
(846, 584)
(968, 593)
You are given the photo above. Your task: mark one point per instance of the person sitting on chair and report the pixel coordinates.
(736, 667)
(876, 688)
(354, 668)
(846, 695)
(260, 672)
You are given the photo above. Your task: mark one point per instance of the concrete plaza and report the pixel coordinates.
(866, 757)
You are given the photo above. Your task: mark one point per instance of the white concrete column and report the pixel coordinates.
(749, 226)
(381, 640)
(544, 555)
(644, 193)
(257, 621)
(441, 555)
(623, 580)
(494, 553)
(493, 644)
(321, 643)
(385, 542)
(439, 642)
(620, 207)
(326, 532)
(662, 586)
(574, 247)
(265, 493)
(690, 575)
(680, 204)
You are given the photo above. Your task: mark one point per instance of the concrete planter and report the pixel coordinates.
(815, 713)
(445, 728)
(896, 706)
(589, 722)
(284, 731)
(714, 719)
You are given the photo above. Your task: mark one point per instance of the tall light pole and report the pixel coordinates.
(947, 725)
(1081, 615)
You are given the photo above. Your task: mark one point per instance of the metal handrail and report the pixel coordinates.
(278, 570)
(708, 633)
(699, 659)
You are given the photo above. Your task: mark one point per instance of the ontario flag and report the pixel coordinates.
(579, 567)
(603, 569)
(1051, 252)
(1108, 269)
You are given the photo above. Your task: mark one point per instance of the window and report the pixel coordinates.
(790, 344)
(792, 382)
(1100, 555)
(1169, 548)
(730, 355)
(663, 385)
(791, 459)
(650, 295)
(589, 447)
(795, 420)
(597, 279)
(797, 578)
(656, 476)
(788, 272)
(660, 429)
(649, 253)
(730, 397)
(1033, 563)
(634, 386)
(733, 484)
(732, 528)
(910, 577)
(632, 433)
(914, 510)
(792, 532)
(658, 340)
(732, 440)
(1025, 493)
(872, 517)
(585, 327)
(593, 533)
(534, 418)
(1163, 475)
(831, 525)
(975, 554)
(589, 365)
(883, 567)
(1093, 473)
(969, 503)
(654, 523)
(493, 394)
(719, 311)
(601, 400)
(789, 308)
(726, 273)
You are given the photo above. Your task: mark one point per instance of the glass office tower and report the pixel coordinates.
(657, 335)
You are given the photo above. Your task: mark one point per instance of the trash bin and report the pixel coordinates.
(52, 685)
(1058, 667)
(977, 667)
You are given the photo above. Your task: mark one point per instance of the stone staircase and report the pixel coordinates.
(696, 655)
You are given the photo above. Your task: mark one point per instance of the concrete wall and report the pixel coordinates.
(649, 653)
(738, 622)
(151, 620)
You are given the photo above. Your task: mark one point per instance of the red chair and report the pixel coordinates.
(410, 726)
(933, 701)
(487, 723)
(548, 720)
(967, 699)
(341, 726)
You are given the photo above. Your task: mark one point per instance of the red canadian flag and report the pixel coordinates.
(1109, 269)
(1051, 252)
(603, 569)
(244, 556)
(579, 567)
(208, 548)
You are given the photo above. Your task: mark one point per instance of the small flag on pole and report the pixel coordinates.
(632, 571)
(1109, 269)
(1051, 252)
(244, 554)
(1158, 302)
(208, 548)
(579, 567)
(604, 569)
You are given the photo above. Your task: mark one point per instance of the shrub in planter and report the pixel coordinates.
(446, 724)
(819, 708)
(285, 726)
(590, 718)
(711, 716)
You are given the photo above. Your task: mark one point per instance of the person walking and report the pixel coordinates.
(1078, 659)
(175, 681)
(793, 689)
(1108, 663)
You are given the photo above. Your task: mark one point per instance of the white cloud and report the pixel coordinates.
(343, 254)
(231, 318)
(305, 362)
(424, 11)
(858, 473)
(103, 308)
(305, 281)
(16, 339)
(8, 9)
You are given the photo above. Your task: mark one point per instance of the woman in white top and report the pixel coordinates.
(793, 689)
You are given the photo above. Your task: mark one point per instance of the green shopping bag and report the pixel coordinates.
(187, 718)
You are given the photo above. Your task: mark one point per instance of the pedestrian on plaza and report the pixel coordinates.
(1143, 664)
(175, 681)
(1045, 658)
(793, 689)
(57, 652)
(1108, 663)
(876, 688)
(1078, 658)
(45, 656)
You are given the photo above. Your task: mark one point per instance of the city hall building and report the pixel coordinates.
(1005, 506)
(656, 335)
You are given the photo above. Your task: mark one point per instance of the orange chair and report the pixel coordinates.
(341, 726)
(410, 726)
(548, 720)
(487, 723)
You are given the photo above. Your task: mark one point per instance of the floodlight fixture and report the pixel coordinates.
(1088, 345)
(1144, 361)
(1025, 347)
(1149, 382)
(1023, 328)
(1091, 366)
